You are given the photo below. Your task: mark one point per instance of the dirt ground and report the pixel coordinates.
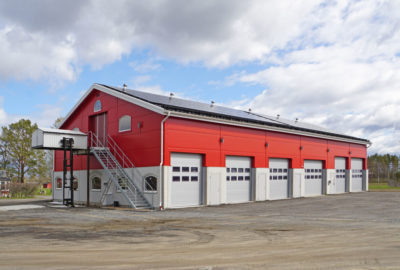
(349, 231)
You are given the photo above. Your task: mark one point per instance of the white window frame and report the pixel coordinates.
(97, 106)
(144, 184)
(130, 123)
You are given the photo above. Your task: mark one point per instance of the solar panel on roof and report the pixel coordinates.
(200, 108)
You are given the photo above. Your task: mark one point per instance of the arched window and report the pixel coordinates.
(150, 183)
(97, 106)
(96, 183)
(124, 123)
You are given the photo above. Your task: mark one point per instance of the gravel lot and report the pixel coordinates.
(350, 231)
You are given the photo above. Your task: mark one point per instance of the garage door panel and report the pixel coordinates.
(278, 179)
(238, 179)
(186, 181)
(313, 177)
(340, 169)
(356, 174)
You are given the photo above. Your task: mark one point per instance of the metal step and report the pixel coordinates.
(118, 175)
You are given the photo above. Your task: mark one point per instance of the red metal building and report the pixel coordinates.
(178, 153)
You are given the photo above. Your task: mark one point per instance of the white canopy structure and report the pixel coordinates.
(51, 138)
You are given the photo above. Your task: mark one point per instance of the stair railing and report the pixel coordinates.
(111, 162)
(118, 153)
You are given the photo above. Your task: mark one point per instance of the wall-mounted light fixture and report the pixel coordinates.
(221, 140)
(140, 125)
(328, 150)
(350, 152)
(266, 145)
(301, 147)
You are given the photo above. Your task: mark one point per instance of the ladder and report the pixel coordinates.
(116, 172)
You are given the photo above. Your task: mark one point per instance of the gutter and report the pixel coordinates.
(162, 161)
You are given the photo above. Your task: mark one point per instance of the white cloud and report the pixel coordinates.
(334, 63)
(145, 66)
(344, 76)
(44, 116)
(3, 114)
(53, 40)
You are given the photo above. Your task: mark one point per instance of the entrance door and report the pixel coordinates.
(98, 125)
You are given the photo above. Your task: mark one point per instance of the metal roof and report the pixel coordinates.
(62, 131)
(201, 108)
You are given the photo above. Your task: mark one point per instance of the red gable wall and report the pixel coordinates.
(141, 145)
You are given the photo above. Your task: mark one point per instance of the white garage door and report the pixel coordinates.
(238, 179)
(313, 177)
(340, 181)
(356, 174)
(186, 181)
(278, 178)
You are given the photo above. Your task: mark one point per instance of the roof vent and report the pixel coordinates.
(277, 116)
(124, 87)
(249, 110)
(297, 120)
(212, 103)
(171, 95)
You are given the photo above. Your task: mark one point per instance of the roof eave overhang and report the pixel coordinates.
(265, 127)
(123, 96)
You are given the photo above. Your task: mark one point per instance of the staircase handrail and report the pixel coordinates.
(117, 151)
(115, 165)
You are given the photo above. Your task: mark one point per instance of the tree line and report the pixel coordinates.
(384, 168)
(18, 159)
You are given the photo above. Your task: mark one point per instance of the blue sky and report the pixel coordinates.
(330, 63)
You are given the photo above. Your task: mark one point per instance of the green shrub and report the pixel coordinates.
(18, 190)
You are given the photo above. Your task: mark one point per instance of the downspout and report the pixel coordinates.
(162, 161)
(53, 183)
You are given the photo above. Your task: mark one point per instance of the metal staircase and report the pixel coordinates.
(113, 160)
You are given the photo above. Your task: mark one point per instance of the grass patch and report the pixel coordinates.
(381, 186)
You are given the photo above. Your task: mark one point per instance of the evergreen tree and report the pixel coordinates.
(22, 159)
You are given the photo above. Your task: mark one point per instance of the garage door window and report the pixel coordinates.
(278, 174)
(313, 173)
(340, 174)
(238, 174)
(356, 174)
(187, 174)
